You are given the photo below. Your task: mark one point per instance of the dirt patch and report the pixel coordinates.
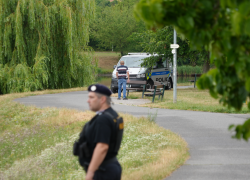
(107, 62)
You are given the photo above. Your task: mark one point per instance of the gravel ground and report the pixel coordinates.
(130, 102)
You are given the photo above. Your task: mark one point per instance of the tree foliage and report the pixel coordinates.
(113, 25)
(42, 43)
(223, 28)
(159, 41)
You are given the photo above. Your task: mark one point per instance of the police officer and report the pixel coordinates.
(100, 138)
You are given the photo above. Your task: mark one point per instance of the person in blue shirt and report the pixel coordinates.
(122, 75)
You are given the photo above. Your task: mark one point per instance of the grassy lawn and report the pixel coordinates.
(107, 53)
(185, 84)
(104, 71)
(37, 143)
(107, 60)
(189, 99)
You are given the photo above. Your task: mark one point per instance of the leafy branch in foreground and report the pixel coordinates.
(242, 131)
(41, 44)
(223, 28)
(159, 42)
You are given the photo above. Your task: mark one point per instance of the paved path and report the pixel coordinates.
(214, 155)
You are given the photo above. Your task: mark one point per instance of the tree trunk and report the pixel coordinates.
(206, 65)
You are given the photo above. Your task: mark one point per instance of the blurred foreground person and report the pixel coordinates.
(100, 138)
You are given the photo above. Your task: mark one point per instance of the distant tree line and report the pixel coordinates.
(114, 23)
(115, 28)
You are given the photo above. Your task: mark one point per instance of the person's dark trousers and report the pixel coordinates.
(112, 171)
(122, 83)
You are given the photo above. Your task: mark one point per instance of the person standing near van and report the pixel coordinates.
(122, 74)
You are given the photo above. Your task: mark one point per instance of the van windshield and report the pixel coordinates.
(132, 62)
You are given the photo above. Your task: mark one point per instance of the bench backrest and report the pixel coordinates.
(158, 83)
(137, 82)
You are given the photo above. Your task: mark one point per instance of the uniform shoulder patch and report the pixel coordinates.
(121, 126)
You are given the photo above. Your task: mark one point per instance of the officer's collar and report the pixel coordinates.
(100, 112)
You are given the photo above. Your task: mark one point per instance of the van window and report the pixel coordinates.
(161, 64)
(165, 63)
(132, 62)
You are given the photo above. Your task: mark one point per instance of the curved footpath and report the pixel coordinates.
(214, 155)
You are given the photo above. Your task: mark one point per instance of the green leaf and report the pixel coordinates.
(246, 128)
(146, 13)
(190, 22)
(247, 27)
(236, 22)
(213, 94)
(223, 3)
(157, 9)
(247, 84)
(181, 21)
(244, 8)
(231, 126)
(238, 130)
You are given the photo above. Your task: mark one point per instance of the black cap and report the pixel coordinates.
(99, 88)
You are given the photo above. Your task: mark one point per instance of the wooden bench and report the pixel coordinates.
(156, 91)
(136, 89)
(195, 78)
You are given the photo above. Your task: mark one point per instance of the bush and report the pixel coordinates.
(198, 69)
(188, 70)
(180, 70)
(104, 71)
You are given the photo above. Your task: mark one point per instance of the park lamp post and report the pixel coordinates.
(174, 47)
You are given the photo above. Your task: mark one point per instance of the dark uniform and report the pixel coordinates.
(102, 128)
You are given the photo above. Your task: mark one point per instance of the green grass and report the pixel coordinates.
(37, 143)
(106, 61)
(107, 53)
(104, 80)
(185, 84)
(104, 71)
(132, 96)
(190, 99)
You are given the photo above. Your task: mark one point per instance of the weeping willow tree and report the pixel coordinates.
(43, 44)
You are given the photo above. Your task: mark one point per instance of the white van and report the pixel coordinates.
(161, 72)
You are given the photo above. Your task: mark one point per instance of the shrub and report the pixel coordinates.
(180, 71)
(188, 70)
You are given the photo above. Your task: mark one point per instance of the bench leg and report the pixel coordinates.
(154, 95)
(127, 92)
(144, 86)
(194, 80)
(163, 92)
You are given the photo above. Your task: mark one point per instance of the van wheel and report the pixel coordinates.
(113, 90)
(168, 85)
(150, 84)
